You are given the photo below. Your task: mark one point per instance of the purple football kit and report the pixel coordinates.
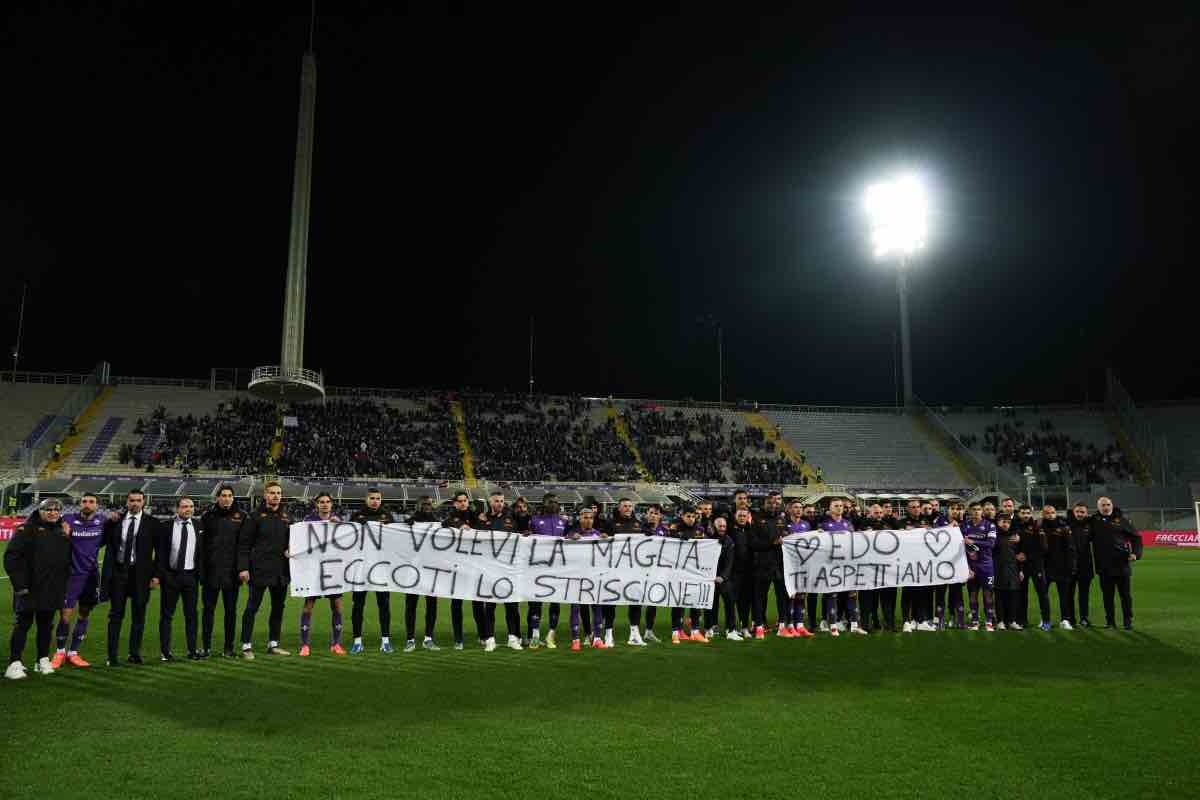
(335, 637)
(980, 540)
(847, 600)
(87, 534)
(544, 525)
(797, 604)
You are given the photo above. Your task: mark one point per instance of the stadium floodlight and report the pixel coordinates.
(898, 210)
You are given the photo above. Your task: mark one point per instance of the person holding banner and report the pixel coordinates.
(685, 528)
(979, 536)
(916, 602)
(796, 605)
(263, 564)
(870, 601)
(324, 504)
(550, 522)
(500, 518)
(585, 530)
(951, 592)
(834, 524)
(653, 525)
(424, 514)
(374, 512)
(766, 541)
(624, 521)
(460, 517)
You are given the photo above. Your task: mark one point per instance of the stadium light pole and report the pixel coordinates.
(897, 210)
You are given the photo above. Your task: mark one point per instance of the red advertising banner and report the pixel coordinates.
(1170, 539)
(8, 525)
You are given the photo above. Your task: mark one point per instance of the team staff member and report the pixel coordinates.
(767, 543)
(38, 563)
(219, 553)
(424, 514)
(724, 584)
(1031, 554)
(374, 512)
(460, 517)
(871, 601)
(743, 567)
(1116, 545)
(180, 572)
(1085, 566)
(948, 596)
(263, 564)
(624, 521)
(83, 586)
(128, 573)
(499, 518)
(324, 504)
(1060, 562)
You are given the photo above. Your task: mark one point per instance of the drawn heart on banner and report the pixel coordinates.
(806, 548)
(935, 538)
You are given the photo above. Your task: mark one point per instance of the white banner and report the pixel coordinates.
(820, 562)
(425, 558)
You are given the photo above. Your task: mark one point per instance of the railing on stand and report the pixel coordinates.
(991, 474)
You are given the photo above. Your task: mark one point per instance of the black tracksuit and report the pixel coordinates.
(724, 589)
(411, 600)
(681, 531)
(743, 571)
(503, 521)
(219, 552)
(768, 566)
(629, 525)
(383, 600)
(1085, 567)
(1061, 561)
(1114, 541)
(262, 541)
(1008, 573)
(462, 519)
(872, 602)
(1033, 570)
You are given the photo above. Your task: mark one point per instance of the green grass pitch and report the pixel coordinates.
(1088, 714)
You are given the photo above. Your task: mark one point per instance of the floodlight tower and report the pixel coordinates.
(290, 380)
(897, 210)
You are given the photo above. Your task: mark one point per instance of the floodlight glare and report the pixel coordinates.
(897, 210)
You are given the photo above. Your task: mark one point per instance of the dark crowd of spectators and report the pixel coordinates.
(523, 438)
(1012, 446)
(346, 438)
(679, 446)
(236, 439)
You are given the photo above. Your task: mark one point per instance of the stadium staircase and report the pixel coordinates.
(1137, 458)
(969, 476)
(468, 455)
(623, 435)
(772, 434)
(86, 421)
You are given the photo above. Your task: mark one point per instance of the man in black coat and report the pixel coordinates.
(263, 564)
(38, 563)
(724, 583)
(767, 543)
(219, 573)
(1031, 554)
(376, 513)
(129, 573)
(1115, 545)
(1085, 566)
(741, 532)
(460, 517)
(180, 573)
(499, 517)
(1060, 563)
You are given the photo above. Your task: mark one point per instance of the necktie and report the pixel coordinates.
(130, 534)
(181, 558)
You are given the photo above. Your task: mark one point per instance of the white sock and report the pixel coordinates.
(358, 640)
(245, 645)
(386, 640)
(272, 644)
(71, 652)
(428, 639)
(60, 650)
(633, 630)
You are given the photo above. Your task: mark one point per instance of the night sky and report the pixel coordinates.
(622, 179)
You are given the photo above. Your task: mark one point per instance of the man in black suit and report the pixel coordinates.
(129, 573)
(180, 571)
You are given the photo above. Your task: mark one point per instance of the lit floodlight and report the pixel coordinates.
(897, 210)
